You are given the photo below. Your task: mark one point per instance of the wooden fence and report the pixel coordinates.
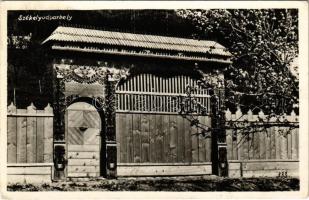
(261, 144)
(29, 135)
(160, 138)
(266, 138)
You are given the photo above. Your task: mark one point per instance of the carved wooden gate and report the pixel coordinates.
(83, 140)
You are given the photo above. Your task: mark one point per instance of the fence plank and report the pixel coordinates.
(173, 138)
(137, 137)
(152, 130)
(145, 138)
(229, 143)
(284, 144)
(262, 145)
(11, 139)
(272, 143)
(201, 142)
(268, 143)
(166, 137)
(40, 138)
(48, 139)
(256, 144)
(129, 140)
(297, 142)
(194, 143)
(277, 142)
(187, 138)
(31, 135)
(208, 140)
(159, 137)
(21, 137)
(119, 135)
(180, 139)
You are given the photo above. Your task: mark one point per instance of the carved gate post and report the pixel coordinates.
(113, 77)
(59, 133)
(110, 117)
(215, 81)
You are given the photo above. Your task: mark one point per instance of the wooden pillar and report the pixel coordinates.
(110, 121)
(112, 79)
(59, 128)
(219, 146)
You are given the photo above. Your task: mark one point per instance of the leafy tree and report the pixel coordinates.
(264, 43)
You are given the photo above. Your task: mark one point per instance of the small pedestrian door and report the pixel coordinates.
(83, 127)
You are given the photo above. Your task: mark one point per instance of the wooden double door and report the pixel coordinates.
(83, 133)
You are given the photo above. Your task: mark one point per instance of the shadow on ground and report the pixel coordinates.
(167, 184)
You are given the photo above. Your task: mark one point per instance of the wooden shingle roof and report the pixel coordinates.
(72, 34)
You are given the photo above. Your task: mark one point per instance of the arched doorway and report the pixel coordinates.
(84, 145)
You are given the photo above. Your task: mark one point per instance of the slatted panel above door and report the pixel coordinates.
(151, 93)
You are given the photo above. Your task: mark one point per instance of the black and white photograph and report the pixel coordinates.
(158, 100)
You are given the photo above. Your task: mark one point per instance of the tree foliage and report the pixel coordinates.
(264, 45)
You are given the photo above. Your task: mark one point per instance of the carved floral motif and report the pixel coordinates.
(89, 74)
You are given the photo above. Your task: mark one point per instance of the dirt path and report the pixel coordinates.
(168, 184)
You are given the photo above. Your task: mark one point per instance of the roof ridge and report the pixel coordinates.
(103, 37)
(93, 35)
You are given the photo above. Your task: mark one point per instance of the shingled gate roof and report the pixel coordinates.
(83, 35)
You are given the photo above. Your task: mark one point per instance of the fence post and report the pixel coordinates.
(219, 147)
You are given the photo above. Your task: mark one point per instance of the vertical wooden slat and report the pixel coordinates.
(262, 145)
(11, 135)
(40, 138)
(152, 137)
(201, 141)
(125, 102)
(297, 142)
(137, 137)
(134, 83)
(166, 137)
(268, 143)
(234, 143)
(48, 140)
(173, 138)
(159, 135)
(194, 143)
(129, 140)
(48, 136)
(137, 83)
(256, 145)
(156, 101)
(277, 142)
(21, 137)
(284, 144)
(273, 143)
(229, 144)
(208, 140)
(180, 139)
(31, 136)
(145, 138)
(119, 136)
(187, 138)
(149, 82)
(180, 84)
(289, 144)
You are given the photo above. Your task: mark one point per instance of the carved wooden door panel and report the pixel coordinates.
(83, 126)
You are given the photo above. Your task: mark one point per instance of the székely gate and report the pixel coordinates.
(117, 103)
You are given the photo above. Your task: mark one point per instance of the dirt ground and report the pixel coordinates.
(167, 184)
